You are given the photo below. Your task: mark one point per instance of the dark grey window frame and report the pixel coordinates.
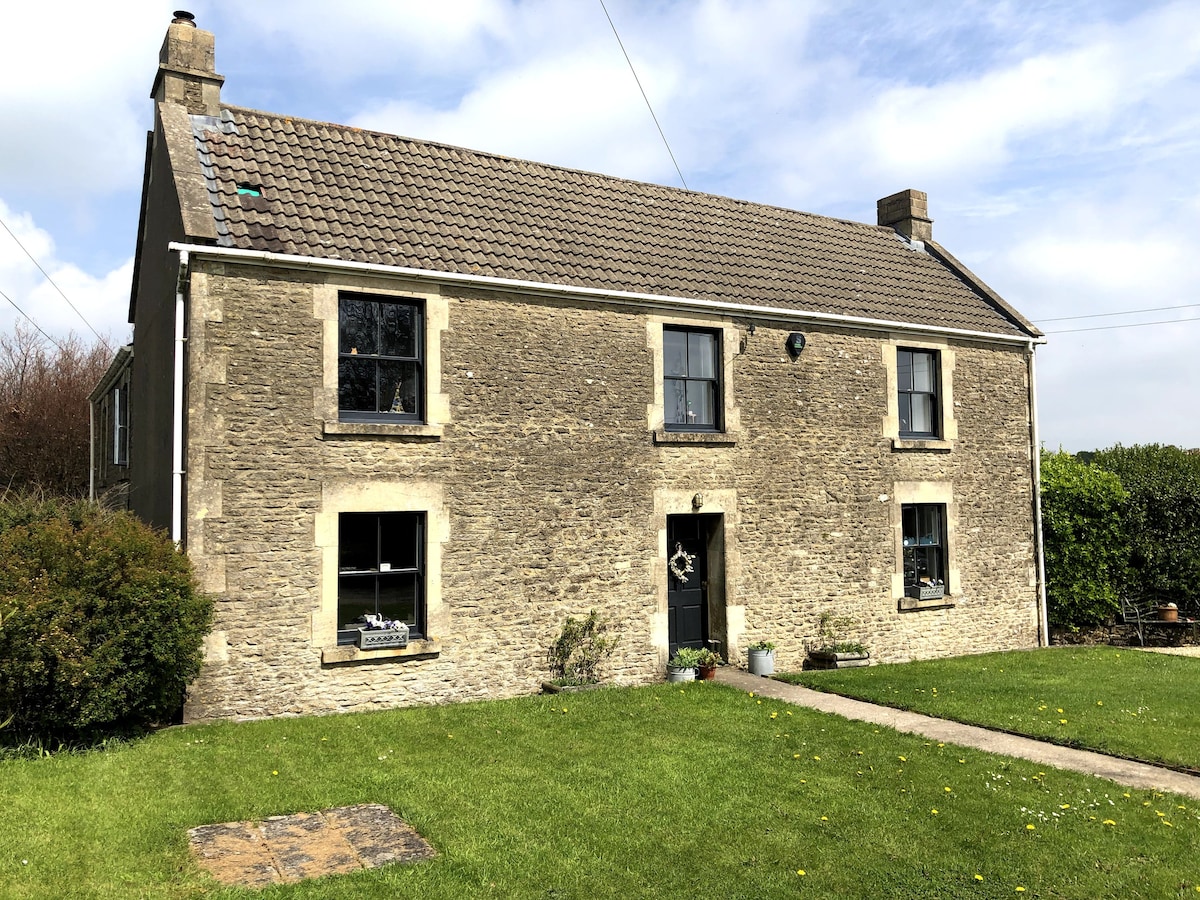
(417, 360)
(916, 555)
(715, 383)
(906, 393)
(346, 631)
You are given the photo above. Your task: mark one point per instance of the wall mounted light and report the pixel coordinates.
(795, 344)
(697, 501)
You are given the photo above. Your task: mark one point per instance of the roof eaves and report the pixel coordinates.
(942, 255)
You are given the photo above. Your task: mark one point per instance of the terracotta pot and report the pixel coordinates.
(708, 673)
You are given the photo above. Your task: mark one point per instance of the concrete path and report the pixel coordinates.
(1133, 774)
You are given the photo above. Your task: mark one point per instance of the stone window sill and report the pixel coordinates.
(711, 438)
(912, 604)
(418, 649)
(931, 446)
(384, 429)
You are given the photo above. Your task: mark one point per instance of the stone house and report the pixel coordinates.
(372, 374)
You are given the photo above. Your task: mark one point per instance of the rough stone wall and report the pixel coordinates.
(549, 475)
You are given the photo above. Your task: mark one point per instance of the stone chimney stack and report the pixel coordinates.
(187, 72)
(908, 213)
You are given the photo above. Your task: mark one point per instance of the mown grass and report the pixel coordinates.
(1121, 701)
(657, 792)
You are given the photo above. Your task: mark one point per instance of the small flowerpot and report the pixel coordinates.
(1168, 614)
(677, 674)
(761, 662)
(707, 673)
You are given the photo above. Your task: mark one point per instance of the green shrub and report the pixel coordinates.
(1162, 519)
(1084, 539)
(580, 650)
(103, 623)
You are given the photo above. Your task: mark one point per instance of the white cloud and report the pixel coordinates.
(103, 300)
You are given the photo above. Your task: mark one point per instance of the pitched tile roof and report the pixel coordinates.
(336, 192)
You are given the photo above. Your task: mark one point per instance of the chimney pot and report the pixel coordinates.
(183, 17)
(908, 213)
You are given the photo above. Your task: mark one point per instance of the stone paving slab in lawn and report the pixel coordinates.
(306, 845)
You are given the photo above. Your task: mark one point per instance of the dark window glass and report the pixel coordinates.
(120, 423)
(924, 535)
(918, 384)
(381, 567)
(691, 380)
(380, 359)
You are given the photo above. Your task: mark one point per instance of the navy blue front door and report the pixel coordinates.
(687, 581)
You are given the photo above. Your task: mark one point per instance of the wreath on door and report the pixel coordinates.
(681, 563)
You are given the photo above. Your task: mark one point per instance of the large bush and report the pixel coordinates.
(1162, 519)
(1084, 538)
(103, 622)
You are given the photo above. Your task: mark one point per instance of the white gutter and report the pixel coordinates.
(177, 405)
(1036, 448)
(286, 260)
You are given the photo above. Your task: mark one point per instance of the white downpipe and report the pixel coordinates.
(177, 406)
(1036, 448)
(91, 451)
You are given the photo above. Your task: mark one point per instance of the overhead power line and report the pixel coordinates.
(661, 133)
(1127, 312)
(1127, 325)
(82, 317)
(13, 303)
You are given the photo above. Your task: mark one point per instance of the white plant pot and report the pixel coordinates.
(677, 674)
(761, 662)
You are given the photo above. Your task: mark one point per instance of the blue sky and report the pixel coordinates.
(1059, 142)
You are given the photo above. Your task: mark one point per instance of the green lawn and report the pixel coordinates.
(1117, 700)
(668, 791)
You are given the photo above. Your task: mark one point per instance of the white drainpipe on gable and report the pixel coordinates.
(177, 405)
(1036, 466)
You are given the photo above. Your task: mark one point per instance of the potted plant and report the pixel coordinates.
(761, 658)
(575, 658)
(682, 666)
(833, 651)
(707, 664)
(1168, 612)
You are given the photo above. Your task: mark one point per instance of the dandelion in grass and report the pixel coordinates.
(933, 812)
(978, 877)
(824, 818)
(1030, 827)
(1062, 721)
(1168, 824)
(1109, 822)
(903, 759)
(1064, 806)
(1020, 890)
(817, 758)
(276, 772)
(947, 789)
(801, 872)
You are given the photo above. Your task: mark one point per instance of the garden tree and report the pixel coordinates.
(1162, 519)
(1084, 539)
(103, 622)
(44, 432)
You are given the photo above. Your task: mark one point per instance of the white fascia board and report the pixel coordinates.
(661, 301)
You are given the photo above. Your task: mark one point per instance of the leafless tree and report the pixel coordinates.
(44, 435)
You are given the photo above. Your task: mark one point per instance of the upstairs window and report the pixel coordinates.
(691, 379)
(380, 359)
(381, 568)
(923, 527)
(918, 381)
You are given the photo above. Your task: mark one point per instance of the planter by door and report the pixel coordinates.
(762, 662)
(677, 674)
(707, 673)
(828, 659)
